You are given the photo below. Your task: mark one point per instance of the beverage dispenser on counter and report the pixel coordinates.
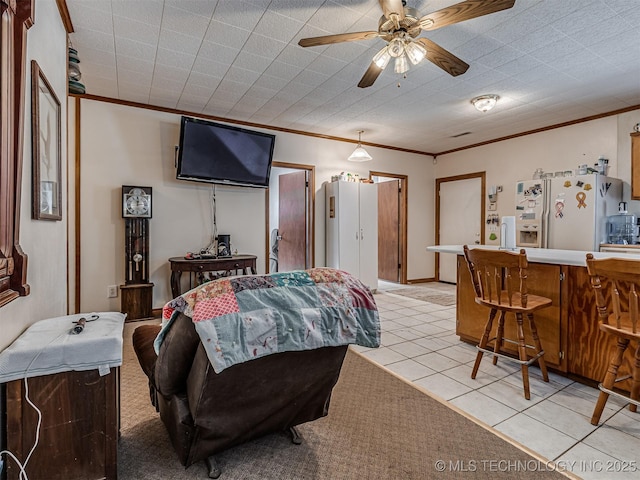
(622, 229)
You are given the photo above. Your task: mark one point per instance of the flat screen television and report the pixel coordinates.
(217, 153)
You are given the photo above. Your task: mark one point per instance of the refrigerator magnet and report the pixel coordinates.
(559, 207)
(579, 184)
(581, 197)
(567, 183)
(588, 187)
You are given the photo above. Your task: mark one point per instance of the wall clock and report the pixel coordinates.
(136, 202)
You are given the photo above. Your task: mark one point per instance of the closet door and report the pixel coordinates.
(368, 221)
(349, 234)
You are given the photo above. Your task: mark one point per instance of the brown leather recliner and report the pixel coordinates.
(207, 412)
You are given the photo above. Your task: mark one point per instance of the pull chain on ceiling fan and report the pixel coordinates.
(400, 26)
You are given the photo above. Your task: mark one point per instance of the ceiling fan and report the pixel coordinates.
(400, 26)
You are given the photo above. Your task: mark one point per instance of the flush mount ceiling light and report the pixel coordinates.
(484, 103)
(359, 154)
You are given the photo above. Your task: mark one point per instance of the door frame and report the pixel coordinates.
(310, 210)
(454, 178)
(402, 239)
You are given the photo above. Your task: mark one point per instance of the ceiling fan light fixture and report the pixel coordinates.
(396, 47)
(401, 65)
(400, 25)
(415, 52)
(484, 103)
(381, 59)
(360, 154)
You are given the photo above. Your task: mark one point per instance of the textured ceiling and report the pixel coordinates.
(550, 61)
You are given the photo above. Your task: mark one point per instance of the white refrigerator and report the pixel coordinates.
(567, 213)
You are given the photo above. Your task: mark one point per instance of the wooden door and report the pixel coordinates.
(389, 230)
(460, 218)
(293, 224)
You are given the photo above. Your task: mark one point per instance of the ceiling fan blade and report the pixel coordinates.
(463, 11)
(370, 76)
(393, 10)
(444, 59)
(338, 38)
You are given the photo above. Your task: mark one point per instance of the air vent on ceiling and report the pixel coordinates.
(460, 134)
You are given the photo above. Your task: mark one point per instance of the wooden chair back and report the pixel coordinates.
(616, 283)
(499, 277)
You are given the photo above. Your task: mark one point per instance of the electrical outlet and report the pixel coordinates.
(112, 291)
(499, 189)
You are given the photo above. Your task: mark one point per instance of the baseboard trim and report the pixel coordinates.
(420, 280)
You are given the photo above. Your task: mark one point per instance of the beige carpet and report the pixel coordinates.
(426, 294)
(378, 427)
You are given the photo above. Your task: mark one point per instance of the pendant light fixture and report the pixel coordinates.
(359, 154)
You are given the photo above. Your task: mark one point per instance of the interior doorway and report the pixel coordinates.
(460, 206)
(392, 226)
(290, 225)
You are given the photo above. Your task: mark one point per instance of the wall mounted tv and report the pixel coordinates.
(216, 153)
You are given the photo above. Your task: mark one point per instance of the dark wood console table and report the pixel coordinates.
(246, 263)
(80, 425)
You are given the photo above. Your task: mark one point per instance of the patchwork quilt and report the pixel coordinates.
(243, 318)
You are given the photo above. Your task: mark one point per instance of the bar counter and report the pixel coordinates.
(568, 329)
(544, 255)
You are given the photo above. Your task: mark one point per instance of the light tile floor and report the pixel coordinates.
(419, 344)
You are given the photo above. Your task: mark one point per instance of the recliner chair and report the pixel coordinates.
(206, 412)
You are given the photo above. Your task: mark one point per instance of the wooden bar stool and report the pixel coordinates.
(499, 279)
(616, 283)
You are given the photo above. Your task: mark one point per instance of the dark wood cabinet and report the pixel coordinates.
(569, 330)
(237, 263)
(551, 322)
(137, 301)
(590, 349)
(79, 430)
(635, 165)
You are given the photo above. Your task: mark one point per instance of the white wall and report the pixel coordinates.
(123, 145)
(554, 150)
(45, 242)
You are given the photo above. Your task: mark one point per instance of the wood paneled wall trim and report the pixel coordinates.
(77, 203)
(64, 14)
(340, 139)
(16, 19)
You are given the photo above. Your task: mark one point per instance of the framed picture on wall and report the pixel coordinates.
(46, 148)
